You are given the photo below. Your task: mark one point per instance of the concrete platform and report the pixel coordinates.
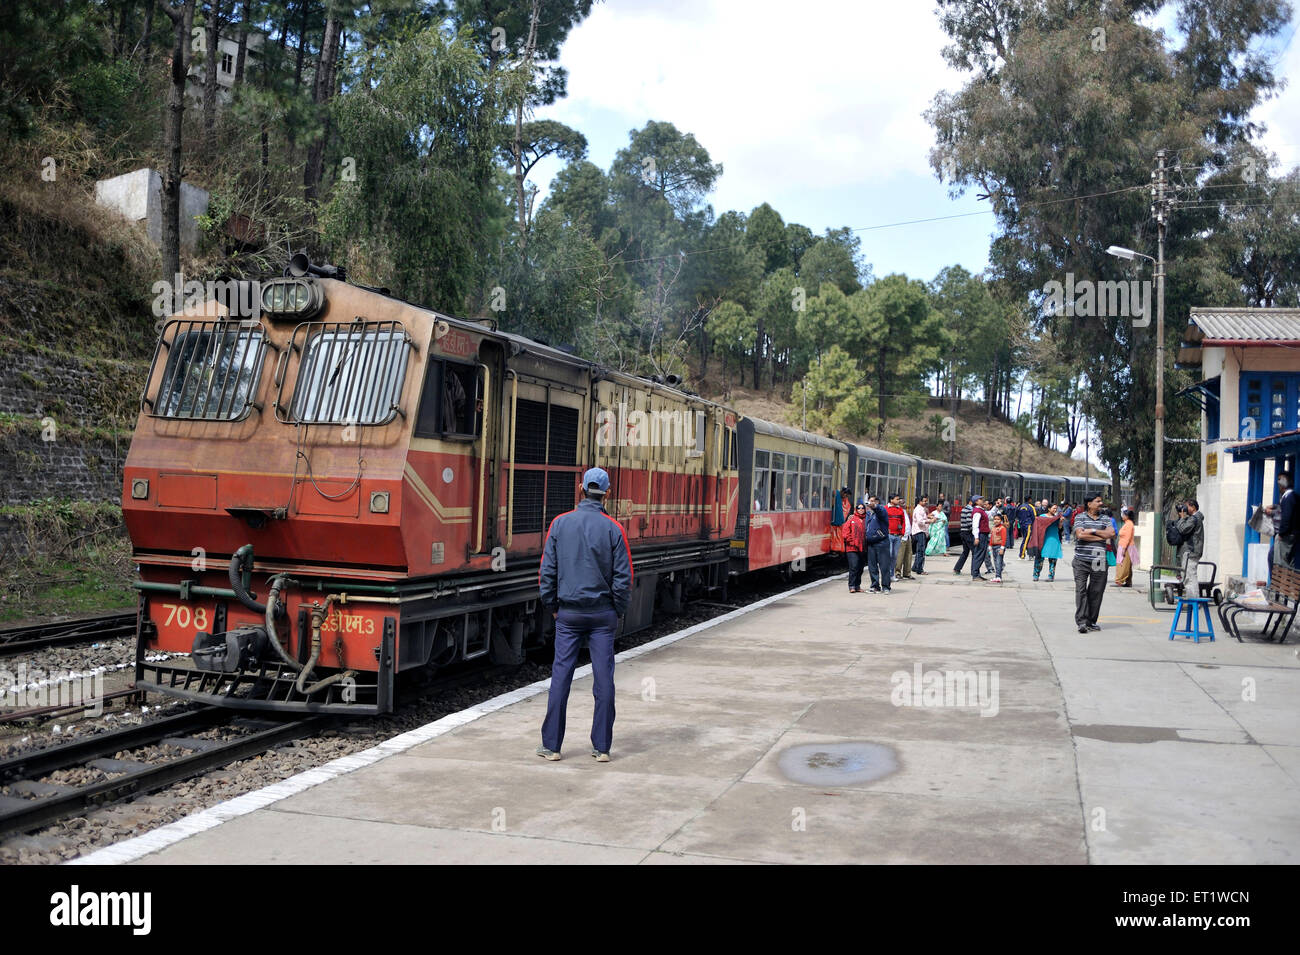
(793, 733)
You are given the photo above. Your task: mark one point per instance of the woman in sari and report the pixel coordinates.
(1127, 550)
(938, 534)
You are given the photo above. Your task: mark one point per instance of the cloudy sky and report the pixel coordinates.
(813, 107)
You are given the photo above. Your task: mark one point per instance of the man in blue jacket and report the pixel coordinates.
(586, 582)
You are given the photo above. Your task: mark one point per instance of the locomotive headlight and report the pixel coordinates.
(300, 297)
(378, 502)
(140, 488)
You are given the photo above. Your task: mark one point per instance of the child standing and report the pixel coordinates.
(998, 545)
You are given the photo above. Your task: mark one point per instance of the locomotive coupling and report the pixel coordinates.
(229, 652)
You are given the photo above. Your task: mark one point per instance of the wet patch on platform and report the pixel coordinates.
(837, 764)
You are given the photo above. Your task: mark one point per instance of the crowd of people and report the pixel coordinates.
(889, 542)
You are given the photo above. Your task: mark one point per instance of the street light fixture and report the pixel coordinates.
(1122, 253)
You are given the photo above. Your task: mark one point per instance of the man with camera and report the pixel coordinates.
(1190, 526)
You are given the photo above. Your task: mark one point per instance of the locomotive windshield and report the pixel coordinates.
(211, 372)
(350, 374)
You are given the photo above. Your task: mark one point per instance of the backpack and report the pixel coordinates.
(1173, 535)
(873, 533)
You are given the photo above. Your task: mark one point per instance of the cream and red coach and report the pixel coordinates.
(342, 486)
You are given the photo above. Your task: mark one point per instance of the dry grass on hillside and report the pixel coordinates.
(990, 444)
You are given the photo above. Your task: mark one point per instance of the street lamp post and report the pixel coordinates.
(1159, 263)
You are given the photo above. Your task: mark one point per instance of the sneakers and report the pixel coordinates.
(887, 591)
(874, 590)
(997, 580)
(1083, 629)
(1093, 626)
(599, 756)
(545, 753)
(979, 577)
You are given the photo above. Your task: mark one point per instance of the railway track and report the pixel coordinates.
(33, 800)
(42, 635)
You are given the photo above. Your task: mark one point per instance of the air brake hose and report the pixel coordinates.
(237, 579)
(318, 617)
(272, 602)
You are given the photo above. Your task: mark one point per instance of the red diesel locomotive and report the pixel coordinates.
(342, 486)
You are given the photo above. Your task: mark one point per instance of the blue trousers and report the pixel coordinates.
(571, 630)
(854, 558)
(879, 565)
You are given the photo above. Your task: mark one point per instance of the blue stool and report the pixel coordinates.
(1176, 629)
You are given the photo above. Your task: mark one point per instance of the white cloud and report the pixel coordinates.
(830, 90)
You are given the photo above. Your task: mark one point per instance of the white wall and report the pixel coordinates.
(138, 196)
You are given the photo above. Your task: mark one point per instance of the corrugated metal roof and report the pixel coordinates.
(1243, 325)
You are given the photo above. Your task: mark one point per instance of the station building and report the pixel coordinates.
(1249, 390)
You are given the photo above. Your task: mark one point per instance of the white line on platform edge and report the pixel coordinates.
(140, 846)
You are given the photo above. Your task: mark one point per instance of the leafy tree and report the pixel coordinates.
(424, 208)
(777, 316)
(899, 344)
(733, 331)
(827, 320)
(765, 234)
(798, 239)
(829, 262)
(838, 400)
(1058, 127)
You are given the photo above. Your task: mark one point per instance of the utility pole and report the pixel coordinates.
(1160, 209)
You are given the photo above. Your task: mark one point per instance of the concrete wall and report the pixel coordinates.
(138, 197)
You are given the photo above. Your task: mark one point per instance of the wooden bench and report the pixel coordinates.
(1281, 600)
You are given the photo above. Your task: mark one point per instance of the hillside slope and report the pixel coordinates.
(989, 444)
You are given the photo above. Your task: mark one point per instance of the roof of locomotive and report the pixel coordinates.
(521, 344)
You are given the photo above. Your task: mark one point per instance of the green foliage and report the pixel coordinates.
(901, 335)
(1072, 101)
(839, 401)
(421, 211)
(829, 262)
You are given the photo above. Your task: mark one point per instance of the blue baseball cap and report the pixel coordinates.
(595, 481)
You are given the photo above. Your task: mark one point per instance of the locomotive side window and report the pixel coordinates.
(451, 404)
(211, 372)
(350, 373)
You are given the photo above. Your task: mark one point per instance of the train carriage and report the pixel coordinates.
(994, 484)
(1079, 489)
(883, 473)
(1037, 487)
(953, 481)
(788, 478)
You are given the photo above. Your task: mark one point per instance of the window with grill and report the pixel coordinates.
(211, 372)
(349, 373)
(545, 464)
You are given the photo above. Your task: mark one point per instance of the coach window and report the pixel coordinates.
(826, 483)
(777, 495)
(451, 405)
(761, 479)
